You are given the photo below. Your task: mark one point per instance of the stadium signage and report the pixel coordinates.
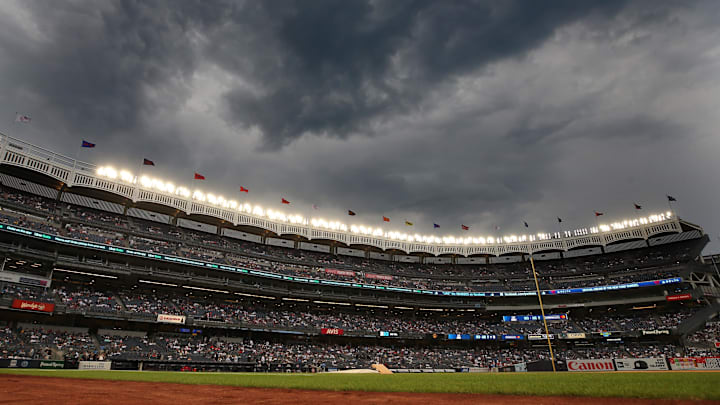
(19, 278)
(94, 365)
(533, 318)
(641, 364)
(485, 337)
(454, 336)
(591, 365)
(541, 337)
(332, 331)
(167, 318)
(32, 306)
(378, 276)
(512, 337)
(388, 334)
(52, 364)
(572, 336)
(695, 363)
(679, 297)
(215, 266)
(340, 272)
(656, 332)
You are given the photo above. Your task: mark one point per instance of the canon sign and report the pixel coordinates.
(590, 365)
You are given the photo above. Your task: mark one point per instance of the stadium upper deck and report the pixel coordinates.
(123, 192)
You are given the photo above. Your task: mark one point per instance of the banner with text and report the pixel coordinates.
(33, 306)
(167, 318)
(94, 365)
(332, 331)
(591, 365)
(641, 364)
(695, 363)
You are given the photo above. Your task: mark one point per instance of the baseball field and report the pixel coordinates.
(98, 387)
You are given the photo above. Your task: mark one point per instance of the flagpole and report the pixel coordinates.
(542, 311)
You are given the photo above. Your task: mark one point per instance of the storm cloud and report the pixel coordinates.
(485, 113)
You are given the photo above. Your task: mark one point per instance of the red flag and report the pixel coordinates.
(244, 190)
(351, 213)
(597, 214)
(386, 219)
(638, 206)
(199, 176)
(148, 162)
(284, 201)
(465, 228)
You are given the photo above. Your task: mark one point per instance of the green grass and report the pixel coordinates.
(694, 385)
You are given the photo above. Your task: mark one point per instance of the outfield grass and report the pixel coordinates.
(692, 385)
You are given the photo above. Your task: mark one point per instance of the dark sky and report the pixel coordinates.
(480, 113)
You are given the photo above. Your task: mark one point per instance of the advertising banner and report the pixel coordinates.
(332, 331)
(541, 337)
(695, 363)
(572, 336)
(20, 278)
(485, 337)
(641, 364)
(340, 272)
(94, 365)
(167, 318)
(591, 365)
(655, 332)
(21, 363)
(51, 364)
(33, 306)
(678, 297)
(533, 318)
(512, 337)
(388, 334)
(378, 276)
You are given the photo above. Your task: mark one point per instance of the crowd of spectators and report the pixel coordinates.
(42, 343)
(162, 238)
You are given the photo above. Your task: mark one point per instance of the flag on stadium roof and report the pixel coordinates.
(559, 220)
(284, 201)
(671, 198)
(408, 223)
(497, 227)
(436, 226)
(148, 162)
(351, 213)
(86, 144)
(22, 118)
(638, 206)
(464, 227)
(315, 207)
(526, 224)
(597, 214)
(199, 176)
(386, 219)
(244, 190)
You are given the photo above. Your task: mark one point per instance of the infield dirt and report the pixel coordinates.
(48, 390)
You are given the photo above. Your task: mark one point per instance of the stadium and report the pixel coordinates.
(105, 270)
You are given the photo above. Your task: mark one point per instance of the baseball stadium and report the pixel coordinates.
(119, 287)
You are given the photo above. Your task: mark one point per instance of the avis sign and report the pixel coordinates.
(591, 365)
(332, 331)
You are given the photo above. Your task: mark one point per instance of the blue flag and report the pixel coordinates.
(436, 226)
(86, 144)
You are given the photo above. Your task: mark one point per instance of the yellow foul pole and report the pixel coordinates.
(542, 311)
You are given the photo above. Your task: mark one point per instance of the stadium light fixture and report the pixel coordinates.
(190, 287)
(84, 273)
(157, 283)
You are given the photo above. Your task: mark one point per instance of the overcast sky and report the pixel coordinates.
(480, 113)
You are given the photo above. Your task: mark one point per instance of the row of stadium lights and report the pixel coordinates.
(169, 188)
